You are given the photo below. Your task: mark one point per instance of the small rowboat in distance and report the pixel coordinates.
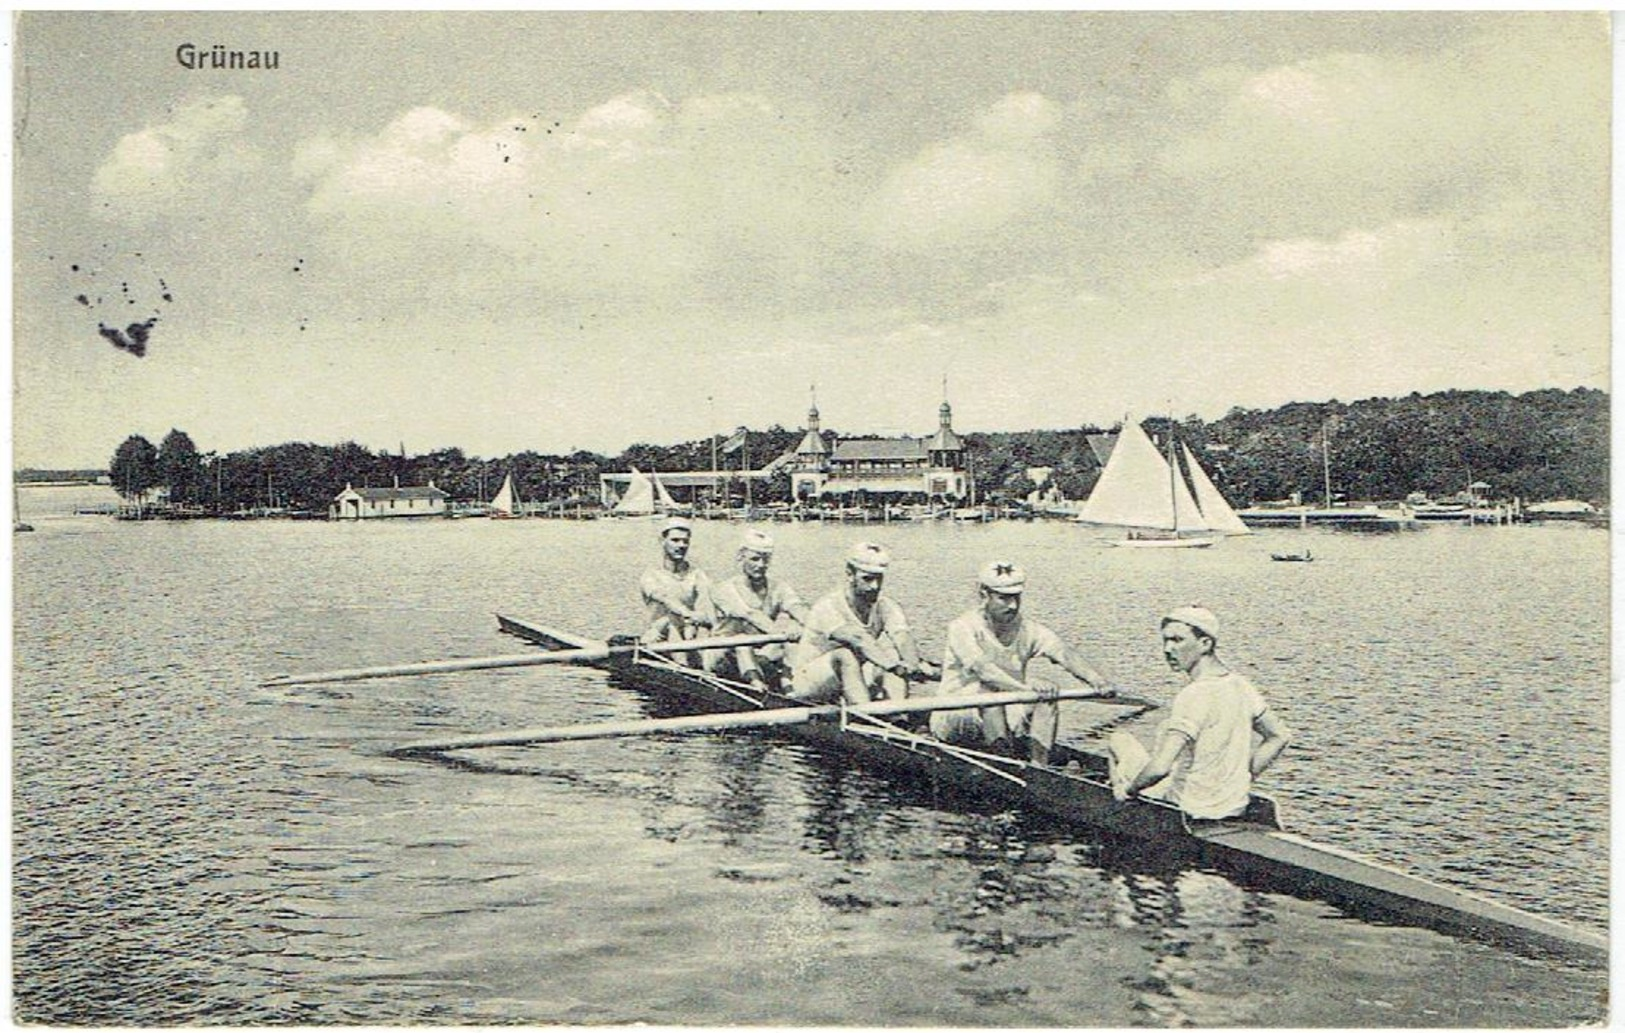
(1293, 557)
(1075, 788)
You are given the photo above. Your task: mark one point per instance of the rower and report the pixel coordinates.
(857, 643)
(752, 602)
(1204, 759)
(676, 594)
(989, 647)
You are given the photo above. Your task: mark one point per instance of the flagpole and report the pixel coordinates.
(713, 402)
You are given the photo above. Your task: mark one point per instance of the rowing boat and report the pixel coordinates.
(1074, 787)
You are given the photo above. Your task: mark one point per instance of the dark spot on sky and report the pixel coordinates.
(132, 338)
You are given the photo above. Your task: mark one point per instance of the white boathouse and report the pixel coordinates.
(380, 503)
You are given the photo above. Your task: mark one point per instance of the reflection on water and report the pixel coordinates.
(190, 848)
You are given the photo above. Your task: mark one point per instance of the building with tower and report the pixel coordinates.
(881, 469)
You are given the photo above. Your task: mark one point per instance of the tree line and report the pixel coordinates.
(1539, 445)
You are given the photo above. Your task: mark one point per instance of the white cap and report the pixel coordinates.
(756, 541)
(869, 558)
(675, 523)
(1199, 617)
(1004, 578)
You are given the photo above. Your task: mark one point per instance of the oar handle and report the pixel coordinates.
(588, 654)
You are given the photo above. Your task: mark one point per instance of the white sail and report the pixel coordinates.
(1218, 513)
(664, 502)
(503, 502)
(639, 499)
(1139, 490)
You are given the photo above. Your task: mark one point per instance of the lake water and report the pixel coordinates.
(191, 848)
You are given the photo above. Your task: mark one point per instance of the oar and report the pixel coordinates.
(749, 719)
(589, 654)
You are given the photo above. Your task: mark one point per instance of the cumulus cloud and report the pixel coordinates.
(1347, 138)
(637, 193)
(958, 191)
(169, 168)
(1358, 259)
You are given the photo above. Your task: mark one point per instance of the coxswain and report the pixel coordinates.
(751, 602)
(1204, 759)
(989, 648)
(676, 594)
(856, 643)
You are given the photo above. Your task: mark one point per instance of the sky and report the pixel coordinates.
(549, 231)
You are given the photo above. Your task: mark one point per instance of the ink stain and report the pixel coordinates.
(132, 338)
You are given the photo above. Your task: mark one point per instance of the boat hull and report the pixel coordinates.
(1164, 543)
(1075, 788)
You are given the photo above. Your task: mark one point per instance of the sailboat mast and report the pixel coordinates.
(1173, 476)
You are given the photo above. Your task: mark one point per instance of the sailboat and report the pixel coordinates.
(1219, 514)
(664, 503)
(17, 525)
(1144, 492)
(505, 505)
(645, 495)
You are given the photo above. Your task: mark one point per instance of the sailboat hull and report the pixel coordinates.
(1163, 543)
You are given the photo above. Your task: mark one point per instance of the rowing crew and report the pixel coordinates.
(854, 644)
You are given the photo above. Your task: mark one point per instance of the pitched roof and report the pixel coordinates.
(383, 494)
(879, 448)
(812, 444)
(945, 440)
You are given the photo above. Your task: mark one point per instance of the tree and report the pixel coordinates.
(135, 467)
(178, 468)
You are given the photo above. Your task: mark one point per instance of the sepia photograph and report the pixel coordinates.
(788, 518)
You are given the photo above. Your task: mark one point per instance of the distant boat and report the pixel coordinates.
(1293, 557)
(664, 503)
(506, 505)
(1145, 493)
(645, 495)
(17, 525)
(1216, 512)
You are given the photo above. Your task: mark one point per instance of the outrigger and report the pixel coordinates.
(1074, 787)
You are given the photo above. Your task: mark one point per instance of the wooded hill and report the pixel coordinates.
(1540, 445)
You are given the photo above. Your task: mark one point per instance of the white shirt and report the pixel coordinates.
(833, 611)
(735, 600)
(691, 589)
(971, 637)
(1214, 778)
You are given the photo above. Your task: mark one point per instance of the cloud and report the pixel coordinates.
(1357, 260)
(637, 195)
(172, 168)
(957, 192)
(1349, 138)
